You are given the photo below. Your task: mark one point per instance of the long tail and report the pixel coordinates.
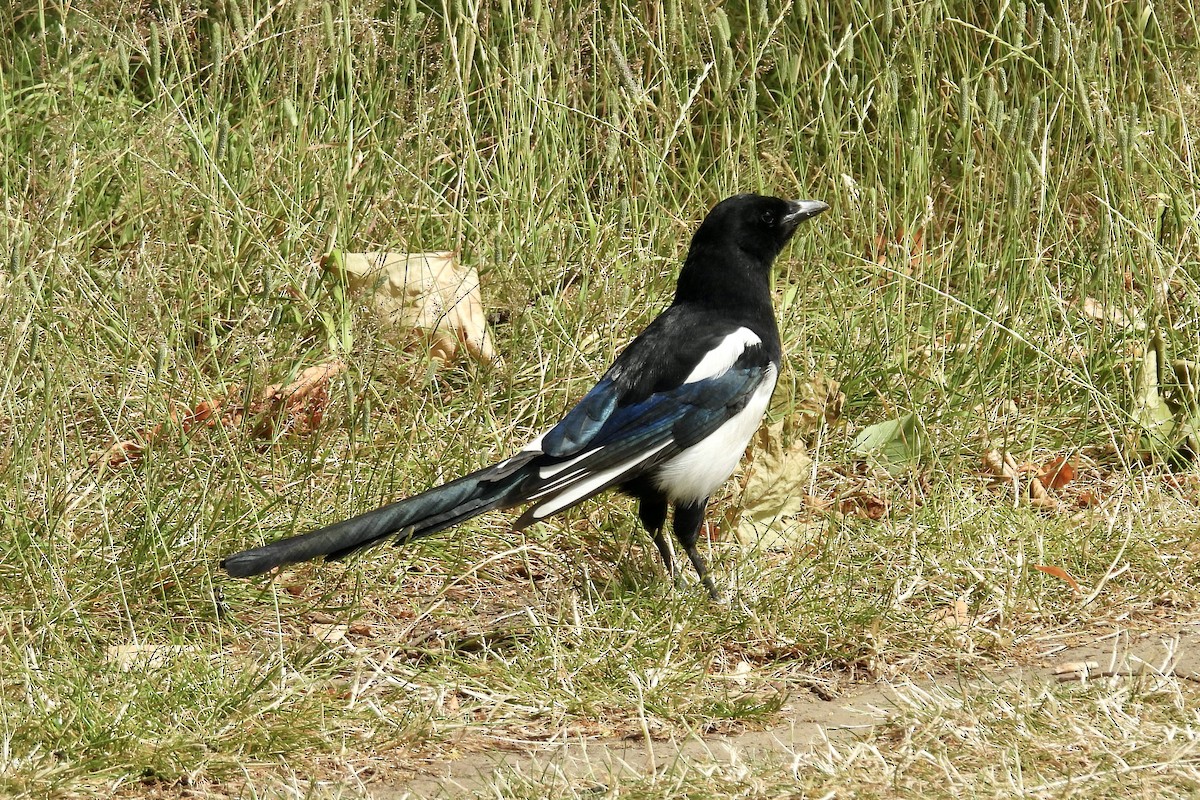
(429, 512)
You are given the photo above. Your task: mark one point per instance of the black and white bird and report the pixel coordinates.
(667, 424)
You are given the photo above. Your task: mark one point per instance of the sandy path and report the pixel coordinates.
(808, 721)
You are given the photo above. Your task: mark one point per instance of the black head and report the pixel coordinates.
(730, 259)
(757, 225)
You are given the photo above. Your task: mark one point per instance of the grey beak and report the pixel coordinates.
(804, 209)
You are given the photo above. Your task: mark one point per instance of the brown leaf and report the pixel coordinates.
(1001, 465)
(362, 629)
(1058, 473)
(204, 412)
(818, 398)
(864, 505)
(899, 244)
(776, 486)
(1062, 574)
(956, 615)
(1041, 500)
(1038, 495)
(130, 451)
(1004, 467)
(119, 453)
(300, 405)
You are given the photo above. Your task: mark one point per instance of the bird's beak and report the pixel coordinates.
(802, 210)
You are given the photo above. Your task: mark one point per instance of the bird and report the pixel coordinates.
(667, 424)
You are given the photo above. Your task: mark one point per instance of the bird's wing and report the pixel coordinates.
(679, 347)
(608, 438)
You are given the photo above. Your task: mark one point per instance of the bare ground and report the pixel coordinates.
(807, 721)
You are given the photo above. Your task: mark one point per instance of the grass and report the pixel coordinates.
(172, 170)
(988, 740)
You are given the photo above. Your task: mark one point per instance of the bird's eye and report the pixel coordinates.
(768, 217)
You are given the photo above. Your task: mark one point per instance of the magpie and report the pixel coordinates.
(667, 423)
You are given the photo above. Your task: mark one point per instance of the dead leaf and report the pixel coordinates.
(1061, 574)
(119, 453)
(1004, 467)
(1001, 465)
(956, 615)
(131, 450)
(430, 292)
(1091, 307)
(362, 629)
(819, 399)
(1039, 497)
(299, 406)
(863, 505)
(1058, 473)
(329, 634)
(900, 245)
(129, 657)
(1076, 669)
(776, 487)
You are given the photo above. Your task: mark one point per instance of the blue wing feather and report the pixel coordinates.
(684, 416)
(581, 424)
(638, 437)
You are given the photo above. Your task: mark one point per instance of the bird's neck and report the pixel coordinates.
(727, 280)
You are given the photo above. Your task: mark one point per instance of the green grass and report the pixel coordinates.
(171, 172)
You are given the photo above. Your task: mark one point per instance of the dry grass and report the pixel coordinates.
(1014, 217)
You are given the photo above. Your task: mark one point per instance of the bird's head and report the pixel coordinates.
(756, 224)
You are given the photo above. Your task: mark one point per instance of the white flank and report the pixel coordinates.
(718, 360)
(577, 491)
(696, 473)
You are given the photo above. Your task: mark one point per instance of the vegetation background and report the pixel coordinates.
(1011, 259)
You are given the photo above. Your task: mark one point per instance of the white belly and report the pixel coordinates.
(699, 470)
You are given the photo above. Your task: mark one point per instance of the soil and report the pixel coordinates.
(806, 721)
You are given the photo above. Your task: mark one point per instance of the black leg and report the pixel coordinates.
(688, 520)
(652, 511)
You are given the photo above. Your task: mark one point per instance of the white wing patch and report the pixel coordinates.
(718, 360)
(696, 473)
(688, 477)
(572, 492)
(534, 446)
(554, 469)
